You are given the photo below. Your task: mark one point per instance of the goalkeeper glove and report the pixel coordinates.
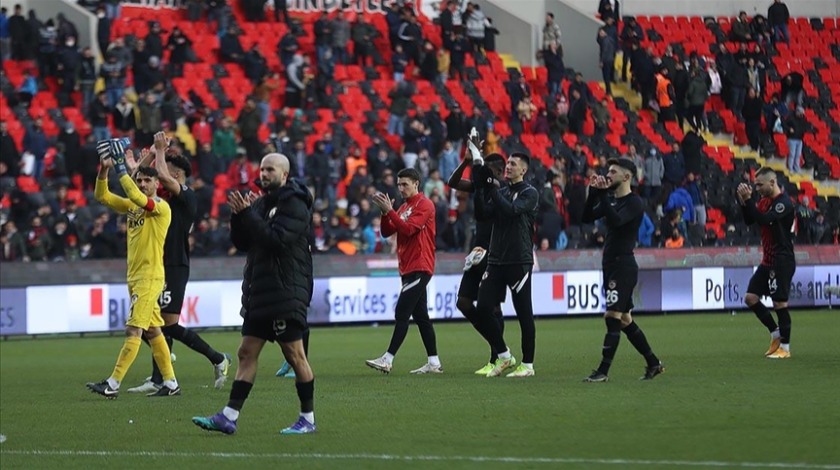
(118, 156)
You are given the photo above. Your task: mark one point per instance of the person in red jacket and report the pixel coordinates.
(414, 224)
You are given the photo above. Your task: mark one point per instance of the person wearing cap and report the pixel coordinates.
(611, 198)
(513, 209)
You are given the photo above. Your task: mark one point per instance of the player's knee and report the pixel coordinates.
(245, 354)
(133, 332)
(779, 305)
(750, 299)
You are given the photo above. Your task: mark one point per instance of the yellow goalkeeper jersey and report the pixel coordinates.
(148, 221)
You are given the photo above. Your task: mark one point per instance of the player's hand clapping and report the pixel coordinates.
(238, 202)
(382, 201)
(744, 192)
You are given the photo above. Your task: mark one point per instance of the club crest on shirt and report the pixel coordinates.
(134, 298)
(405, 215)
(780, 207)
(612, 284)
(772, 274)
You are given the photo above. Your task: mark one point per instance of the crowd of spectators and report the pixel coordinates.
(62, 222)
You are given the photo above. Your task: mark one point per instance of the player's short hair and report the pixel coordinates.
(147, 171)
(494, 158)
(409, 173)
(525, 158)
(765, 170)
(180, 162)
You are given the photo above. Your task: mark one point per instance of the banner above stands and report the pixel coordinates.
(358, 6)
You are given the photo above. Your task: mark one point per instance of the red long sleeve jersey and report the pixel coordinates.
(414, 224)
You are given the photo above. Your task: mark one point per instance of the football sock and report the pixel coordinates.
(639, 341)
(505, 355)
(611, 340)
(528, 366)
(434, 360)
(127, 355)
(775, 334)
(309, 417)
(157, 377)
(764, 316)
(784, 324)
(239, 392)
(784, 346)
(160, 351)
(389, 358)
(306, 394)
(193, 341)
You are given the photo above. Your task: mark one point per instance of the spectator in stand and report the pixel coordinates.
(433, 183)
(577, 112)
(151, 119)
(739, 81)
(209, 164)
(752, 111)
(775, 114)
(429, 63)
(340, 38)
(103, 30)
(795, 128)
(9, 155)
(631, 34)
(695, 100)
(792, 88)
(760, 30)
(400, 101)
(124, 121)
(248, 123)
(242, 172)
(19, 34)
(452, 236)
(646, 231)
(456, 127)
(363, 34)
(674, 170)
(475, 26)
(5, 36)
(230, 48)
(551, 31)
(692, 148)
(778, 16)
(399, 61)
(13, 243)
(411, 36)
(287, 48)
(458, 48)
(676, 240)
(67, 61)
(202, 131)
(601, 116)
(553, 59)
(113, 72)
(540, 123)
(294, 83)
(179, 48)
(490, 33)
(642, 67)
(526, 111)
(153, 40)
(698, 198)
(665, 96)
(681, 81)
(654, 171)
(448, 160)
(577, 164)
(224, 141)
(606, 58)
(741, 30)
(98, 117)
(266, 87)
(447, 18)
(609, 9)
(28, 88)
(323, 30)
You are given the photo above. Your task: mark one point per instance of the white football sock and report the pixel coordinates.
(230, 413)
(434, 360)
(309, 417)
(172, 384)
(775, 334)
(785, 347)
(113, 383)
(505, 355)
(389, 358)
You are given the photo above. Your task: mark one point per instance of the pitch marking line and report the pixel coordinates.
(417, 458)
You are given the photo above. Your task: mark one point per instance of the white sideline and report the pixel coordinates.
(418, 458)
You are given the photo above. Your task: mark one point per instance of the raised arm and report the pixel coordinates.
(169, 183)
(593, 208)
(102, 194)
(456, 179)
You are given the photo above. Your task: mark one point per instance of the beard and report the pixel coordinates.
(269, 185)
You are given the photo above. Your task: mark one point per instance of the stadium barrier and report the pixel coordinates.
(82, 308)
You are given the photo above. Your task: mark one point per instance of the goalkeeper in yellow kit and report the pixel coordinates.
(148, 220)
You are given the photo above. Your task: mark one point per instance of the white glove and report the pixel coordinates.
(103, 149)
(476, 154)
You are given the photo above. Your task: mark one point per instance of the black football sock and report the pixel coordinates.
(764, 316)
(611, 340)
(784, 324)
(306, 394)
(639, 341)
(193, 341)
(239, 392)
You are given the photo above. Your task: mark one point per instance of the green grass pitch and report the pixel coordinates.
(719, 404)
